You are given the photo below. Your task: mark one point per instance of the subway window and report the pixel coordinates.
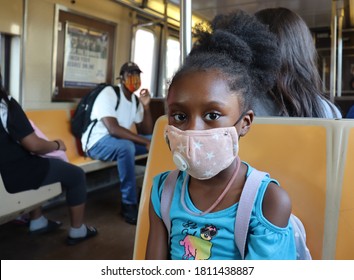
(10, 63)
(172, 57)
(2, 60)
(143, 55)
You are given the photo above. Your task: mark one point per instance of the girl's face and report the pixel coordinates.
(202, 100)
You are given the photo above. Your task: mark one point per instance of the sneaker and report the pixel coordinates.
(130, 213)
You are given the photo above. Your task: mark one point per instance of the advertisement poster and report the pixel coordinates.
(85, 57)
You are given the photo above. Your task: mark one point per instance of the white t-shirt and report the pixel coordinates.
(104, 106)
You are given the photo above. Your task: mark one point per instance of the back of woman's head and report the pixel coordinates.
(241, 48)
(299, 84)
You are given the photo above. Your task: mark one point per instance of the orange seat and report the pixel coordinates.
(297, 152)
(55, 124)
(159, 160)
(294, 152)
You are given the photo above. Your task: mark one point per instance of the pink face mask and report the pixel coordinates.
(202, 153)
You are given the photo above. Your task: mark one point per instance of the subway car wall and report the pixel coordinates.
(33, 63)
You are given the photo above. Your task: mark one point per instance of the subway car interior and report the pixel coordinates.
(53, 52)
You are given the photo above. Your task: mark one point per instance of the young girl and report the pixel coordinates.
(209, 108)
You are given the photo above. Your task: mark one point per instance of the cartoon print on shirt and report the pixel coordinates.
(196, 247)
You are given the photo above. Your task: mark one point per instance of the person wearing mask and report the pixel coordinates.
(210, 106)
(111, 138)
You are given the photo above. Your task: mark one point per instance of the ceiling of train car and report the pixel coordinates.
(316, 13)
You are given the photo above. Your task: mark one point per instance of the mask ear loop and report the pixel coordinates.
(216, 203)
(240, 118)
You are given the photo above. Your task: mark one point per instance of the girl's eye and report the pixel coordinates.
(212, 116)
(179, 117)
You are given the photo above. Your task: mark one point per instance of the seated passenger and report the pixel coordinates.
(111, 138)
(297, 92)
(209, 109)
(22, 169)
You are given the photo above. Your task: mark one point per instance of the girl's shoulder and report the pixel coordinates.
(273, 202)
(158, 185)
(159, 179)
(276, 205)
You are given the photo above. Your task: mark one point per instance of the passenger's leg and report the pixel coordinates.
(38, 223)
(123, 151)
(36, 213)
(73, 180)
(77, 215)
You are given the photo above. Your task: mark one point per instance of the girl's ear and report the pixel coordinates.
(246, 122)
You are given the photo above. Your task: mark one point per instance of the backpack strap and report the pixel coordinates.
(166, 198)
(117, 90)
(244, 210)
(137, 102)
(88, 136)
(245, 206)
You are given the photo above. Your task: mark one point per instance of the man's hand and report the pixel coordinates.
(144, 97)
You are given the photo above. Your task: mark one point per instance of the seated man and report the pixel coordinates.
(111, 138)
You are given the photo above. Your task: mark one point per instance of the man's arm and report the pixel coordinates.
(118, 131)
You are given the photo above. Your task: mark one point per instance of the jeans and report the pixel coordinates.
(110, 148)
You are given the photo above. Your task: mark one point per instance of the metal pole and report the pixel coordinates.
(162, 83)
(21, 96)
(186, 28)
(333, 51)
(340, 15)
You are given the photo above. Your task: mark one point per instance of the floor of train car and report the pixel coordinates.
(115, 240)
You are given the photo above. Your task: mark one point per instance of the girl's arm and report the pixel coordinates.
(276, 205)
(157, 246)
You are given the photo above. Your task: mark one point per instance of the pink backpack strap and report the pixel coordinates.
(245, 206)
(166, 198)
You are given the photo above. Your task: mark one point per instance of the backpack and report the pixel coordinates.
(81, 118)
(243, 214)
